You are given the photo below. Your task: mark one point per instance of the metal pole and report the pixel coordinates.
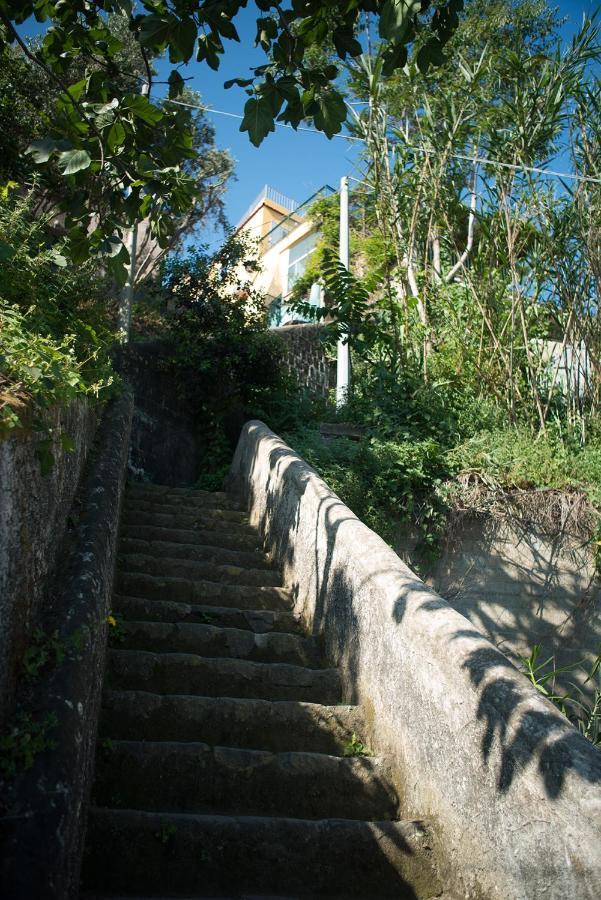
(343, 355)
(127, 296)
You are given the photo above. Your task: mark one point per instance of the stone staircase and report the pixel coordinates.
(226, 764)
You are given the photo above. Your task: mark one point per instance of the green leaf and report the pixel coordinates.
(258, 119)
(331, 113)
(227, 28)
(42, 149)
(6, 251)
(345, 43)
(395, 57)
(182, 40)
(111, 246)
(396, 17)
(430, 54)
(241, 82)
(79, 245)
(155, 31)
(116, 136)
(143, 109)
(58, 259)
(72, 161)
(74, 91)
(176, 85)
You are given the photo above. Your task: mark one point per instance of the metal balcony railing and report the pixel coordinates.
(269, 193)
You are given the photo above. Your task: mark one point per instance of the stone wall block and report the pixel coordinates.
(305, 356)
(33, 516)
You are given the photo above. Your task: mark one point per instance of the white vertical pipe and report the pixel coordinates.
(343, 356)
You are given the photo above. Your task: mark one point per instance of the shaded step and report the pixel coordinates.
(183, 852)
(212, 641)
(260, 621)
(176, 508)
(168, 673)
(232, 539)
(183, 590)
(185, 496)
(219, 556)
(165, 567)
(198, 520)
(229, 721)
(198, 778)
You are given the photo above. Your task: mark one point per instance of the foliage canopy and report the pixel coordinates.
(124, 154)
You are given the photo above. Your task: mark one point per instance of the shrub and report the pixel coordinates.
(55, 334)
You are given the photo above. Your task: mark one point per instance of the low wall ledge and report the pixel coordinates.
(512, 790)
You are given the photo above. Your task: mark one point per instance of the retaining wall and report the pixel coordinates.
(34, 510)
(164, 442)
(512, 790)
(45, 807)
(305, 356)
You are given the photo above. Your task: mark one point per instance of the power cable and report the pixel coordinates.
(480, 160)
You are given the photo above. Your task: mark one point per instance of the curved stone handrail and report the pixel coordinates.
(512, 790)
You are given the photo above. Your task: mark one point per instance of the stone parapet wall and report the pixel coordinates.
(511, 789)
(306, 357)
(42, 832)
(34, 510)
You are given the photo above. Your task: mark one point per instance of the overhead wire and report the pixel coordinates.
(479, 160)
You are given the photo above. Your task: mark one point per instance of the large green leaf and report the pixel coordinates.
(155, 31)
(42, 149)
(71, 161)
(182, 40)
(143, 109)
(258, 119)
(430, 54)
(331, 113)
(396, 17)
(115, 136)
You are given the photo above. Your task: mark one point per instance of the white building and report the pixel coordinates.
(286, 241)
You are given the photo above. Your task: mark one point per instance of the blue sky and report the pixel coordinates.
(297, 164)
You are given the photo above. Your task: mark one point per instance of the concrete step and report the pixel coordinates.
(226, 539)
(183, 496)
(200, 519)
(176, 508)
(185, 590)
(168, 673)
(182, 853)
(198, 778)
(218, 556)
(228, 721)
(261, 621)
(165, 567)
(213, 641)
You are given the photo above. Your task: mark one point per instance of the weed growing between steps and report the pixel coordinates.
(355, 747)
